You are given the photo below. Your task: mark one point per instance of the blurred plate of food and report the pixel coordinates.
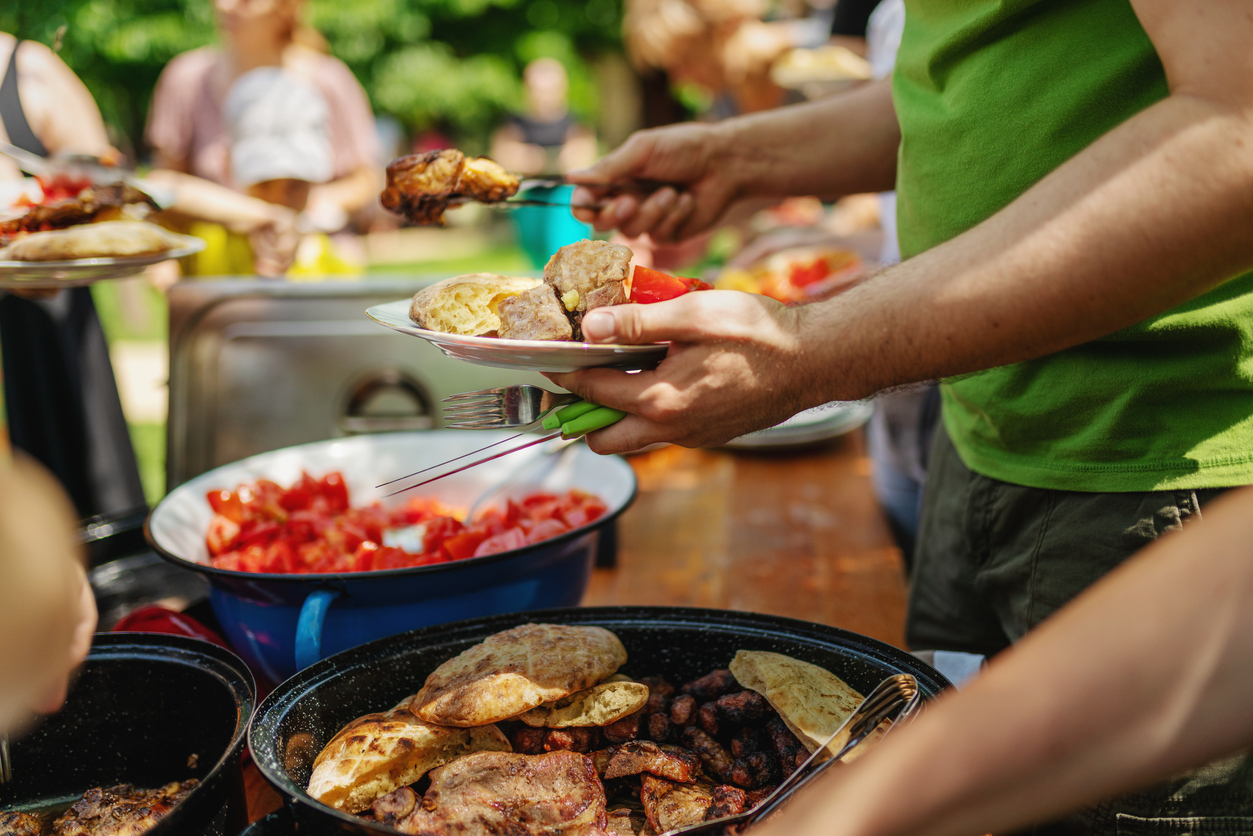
(820, 71)
(108, 250)
(797, 274)
(813, 426)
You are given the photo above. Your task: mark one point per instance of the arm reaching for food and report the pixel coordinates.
(833, 147)
(1147, 217)
(1142, 677)
(47, 611)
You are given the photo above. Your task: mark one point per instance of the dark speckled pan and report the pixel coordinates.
(297, 719)
(146, 709)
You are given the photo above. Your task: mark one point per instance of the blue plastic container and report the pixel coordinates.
(281, 623)
(542, 230)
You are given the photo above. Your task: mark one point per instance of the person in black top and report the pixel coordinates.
(60, 394)
(546, 138)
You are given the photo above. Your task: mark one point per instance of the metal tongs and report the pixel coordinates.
(638, 187)
(6, 767)
(897, 695)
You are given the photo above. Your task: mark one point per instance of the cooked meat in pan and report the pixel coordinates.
(20, 824)
(499, 794)
(669, 805)
(640, 756)
(122, 810)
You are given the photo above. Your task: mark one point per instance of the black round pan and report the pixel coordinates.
(296, 720)
(146, 710)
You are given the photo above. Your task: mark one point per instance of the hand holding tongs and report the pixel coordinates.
(523, 407)
(898, 694)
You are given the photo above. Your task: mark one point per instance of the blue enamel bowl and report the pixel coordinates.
(282, 623)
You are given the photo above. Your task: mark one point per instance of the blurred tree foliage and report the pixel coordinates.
(453, 65)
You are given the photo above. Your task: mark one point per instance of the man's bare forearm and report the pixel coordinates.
(1141, 677)
(1153, 214)
(836, 146)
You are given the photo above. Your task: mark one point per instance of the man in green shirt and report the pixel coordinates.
(1075, 205)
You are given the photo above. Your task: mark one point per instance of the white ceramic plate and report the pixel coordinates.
(822, 423)
(47, 275)
(529, 355)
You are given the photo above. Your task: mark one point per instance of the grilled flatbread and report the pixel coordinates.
(598, 706)
(109, 239)
(517, 670)
(466, 305)
(379, 753)
(812, 701)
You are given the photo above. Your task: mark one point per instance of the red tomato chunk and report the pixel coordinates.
(312, 527)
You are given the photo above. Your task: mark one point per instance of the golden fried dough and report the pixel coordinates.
(110, 239)
(598, 706)
(378, 753)
(467, 304)
(517, 670)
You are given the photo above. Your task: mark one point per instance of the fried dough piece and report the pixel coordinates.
(812, 701)
(639, 756)
(110, 239)
(600, 705)
(669, 805)
(468, 305)
(499, 794)
(378, 753)
(517, 670)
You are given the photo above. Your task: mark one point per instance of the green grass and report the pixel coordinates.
(507, 259)
(149, 443)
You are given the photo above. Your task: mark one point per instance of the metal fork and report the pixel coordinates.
(898, 694)
(508, 407)
(6, 767)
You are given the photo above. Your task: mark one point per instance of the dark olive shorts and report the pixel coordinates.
(995, 559)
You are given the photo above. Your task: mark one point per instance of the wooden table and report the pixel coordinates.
(795, 534)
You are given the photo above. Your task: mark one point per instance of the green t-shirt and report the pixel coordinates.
(992, 95)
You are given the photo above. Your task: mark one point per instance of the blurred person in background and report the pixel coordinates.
(60, 394)
(188, 133)
(47, 611)
(545, 140)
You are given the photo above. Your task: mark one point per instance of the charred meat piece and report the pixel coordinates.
(422, 186)
(20, 824)
(624, 821)
(754, 771)
(641, 756)
(742, 708)
(528, 740)
(713, 685)
(507, 794)
(94, 203)
(755, 797)
(657, 685)
(659, 727)
(394, 806)
(727, 801)
(716, 760)
(683, 710)
(121, 810)
(669, 805)
(620, 731)
(786, 745)
(707, 719)
(534, 314)
(746, 742)
(576, 739)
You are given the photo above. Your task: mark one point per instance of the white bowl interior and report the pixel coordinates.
(180, 521)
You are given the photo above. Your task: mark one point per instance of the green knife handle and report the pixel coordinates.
(597, 419)
(559, 417)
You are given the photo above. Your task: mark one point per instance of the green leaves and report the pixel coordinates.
(453, 64)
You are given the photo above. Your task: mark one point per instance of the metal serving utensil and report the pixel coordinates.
(898, 694)
(6, 765)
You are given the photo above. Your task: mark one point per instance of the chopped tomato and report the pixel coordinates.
(648, 286)
(807, 273)
(311, 527)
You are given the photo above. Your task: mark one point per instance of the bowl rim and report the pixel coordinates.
(305, 683)
(325, 578)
